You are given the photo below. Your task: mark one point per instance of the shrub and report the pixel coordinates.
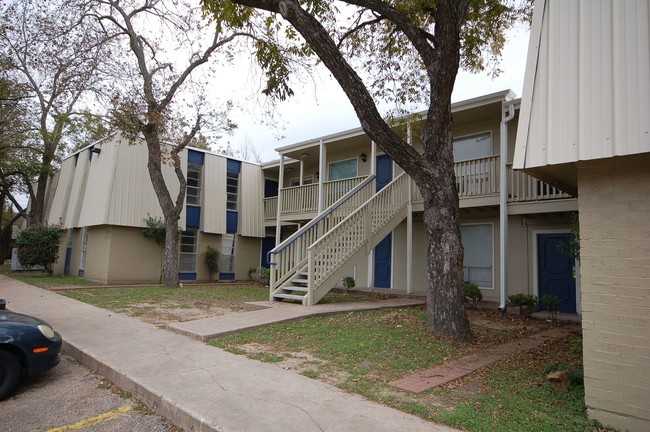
(552, 303)
(38, 245)
(155, 229)
(474, 294)
(526, 302)
(212, 260)
(260, 275)
(349, 282)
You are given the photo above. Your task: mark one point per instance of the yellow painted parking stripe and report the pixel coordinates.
(91, 421)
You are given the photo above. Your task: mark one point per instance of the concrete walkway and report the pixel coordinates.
(198, 387)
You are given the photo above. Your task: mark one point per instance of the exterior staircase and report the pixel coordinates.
(307, 265)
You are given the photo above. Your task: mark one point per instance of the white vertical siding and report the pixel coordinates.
(62, 193)
(252, 202)
(52, 183)
(77, 191)
(97, 197)
(213, 212)
(132, 195)
(587, 86)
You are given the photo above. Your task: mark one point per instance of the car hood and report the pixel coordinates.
(7, 316)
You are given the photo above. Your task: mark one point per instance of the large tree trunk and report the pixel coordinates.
(171, 212)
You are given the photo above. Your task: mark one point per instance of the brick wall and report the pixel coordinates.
(614, 204)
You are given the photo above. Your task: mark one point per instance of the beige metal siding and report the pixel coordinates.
(132, 196)
(77, 191)
(62, 194)
(587, 86)
(97, 198)
(213, 212)
(252, 202)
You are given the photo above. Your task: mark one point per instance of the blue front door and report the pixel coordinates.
(383, 251)
(268, 243)
(556, 269)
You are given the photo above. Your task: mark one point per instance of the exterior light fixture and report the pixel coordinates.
(363, 157)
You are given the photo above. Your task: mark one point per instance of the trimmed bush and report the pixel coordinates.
(38, 245)
(473, 294)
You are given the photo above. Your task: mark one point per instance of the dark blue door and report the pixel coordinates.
(556, 270)
(268, 243)
(383, 251)
(68, 258)
(270, 188)
(384, 171)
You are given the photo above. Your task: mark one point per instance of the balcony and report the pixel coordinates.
(477, 181)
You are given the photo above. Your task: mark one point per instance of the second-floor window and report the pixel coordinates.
(194, 184)
(232, 190)
(472, 147)
(305, 181)
(342, 169)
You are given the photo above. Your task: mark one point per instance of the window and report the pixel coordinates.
(227, 256)
(84, 248)
(305, 181)
(232, 190)
(194, 184)
(342, 170)
(478, 261)
(472, 147)
(187, 257)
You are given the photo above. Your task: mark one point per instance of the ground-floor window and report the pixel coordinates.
(187, 257)
(84, 248)
(478, 261)
(227, 257)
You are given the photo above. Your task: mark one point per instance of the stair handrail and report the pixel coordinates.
(388, 189)
(283, 269)
(318, 218)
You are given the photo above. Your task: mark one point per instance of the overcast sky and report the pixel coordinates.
(322, 109)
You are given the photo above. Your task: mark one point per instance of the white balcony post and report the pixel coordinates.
(278, 225)
(321, 175)
(302, 171)
(503, 206)
(371, 255)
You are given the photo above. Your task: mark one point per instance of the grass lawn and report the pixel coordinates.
(44, 281)
(362, 351)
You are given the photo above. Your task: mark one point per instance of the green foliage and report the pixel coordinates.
(552, 303)
(260, 275)
(38, 245)
(474, 294)
(212, 260)
(155, 229)
(572, 249)
(349, 282)
(525, 302)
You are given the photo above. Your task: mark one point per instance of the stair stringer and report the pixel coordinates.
(328, 283)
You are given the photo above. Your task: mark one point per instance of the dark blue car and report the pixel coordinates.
(27, 344)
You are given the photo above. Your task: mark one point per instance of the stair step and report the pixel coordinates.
(300, 281)
(296, 288)
(289, 297)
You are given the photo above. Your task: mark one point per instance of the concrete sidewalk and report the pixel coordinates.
(198, 387)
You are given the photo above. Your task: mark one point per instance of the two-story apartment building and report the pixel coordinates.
(330, 207)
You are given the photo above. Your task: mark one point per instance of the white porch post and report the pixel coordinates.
(409, 223)
(321, 175)
(503, 206)
(371, 255)
(278, 225)
(302, 170)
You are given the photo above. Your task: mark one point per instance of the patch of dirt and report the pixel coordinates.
(168, 312)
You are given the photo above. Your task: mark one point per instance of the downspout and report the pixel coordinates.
(503, 205)
(321, 175)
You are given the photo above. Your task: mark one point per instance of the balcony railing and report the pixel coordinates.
(474, 178)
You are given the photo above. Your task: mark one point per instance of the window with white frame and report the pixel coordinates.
(473, 147)
(188, 252)
(232, 190)
(305, 181)
(194, 183)
(478, 260)
(227, 256)
(342, 169)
